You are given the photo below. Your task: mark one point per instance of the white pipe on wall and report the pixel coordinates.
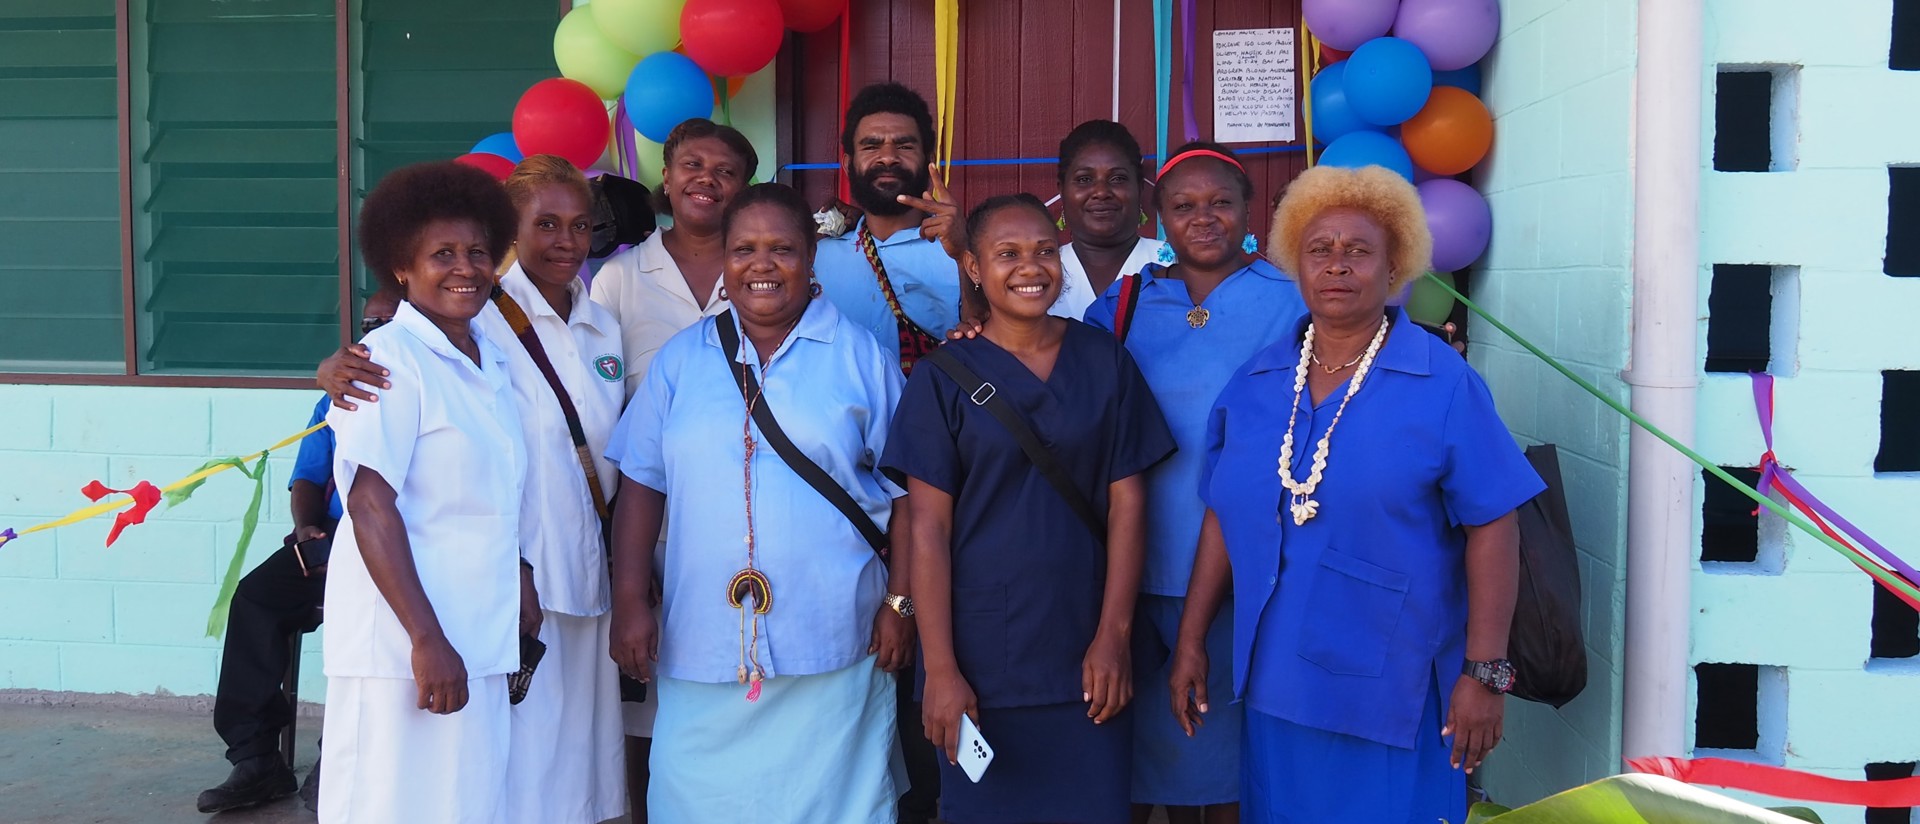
(1663, 372)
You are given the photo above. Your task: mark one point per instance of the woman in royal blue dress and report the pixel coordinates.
(1360, 490)
(1025, 600)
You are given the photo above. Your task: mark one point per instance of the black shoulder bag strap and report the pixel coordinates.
(983, 394)
(784, 446)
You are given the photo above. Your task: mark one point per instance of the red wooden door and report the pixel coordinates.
(1029, 70)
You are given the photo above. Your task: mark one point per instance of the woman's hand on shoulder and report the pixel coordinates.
(1474, 719)
(968, 328)
(440, 675)
(947, 697)
(342, 370)
(1188, 686)
(1107, 677)
(635, 640)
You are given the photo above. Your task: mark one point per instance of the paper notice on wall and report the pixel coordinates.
(1253, 86)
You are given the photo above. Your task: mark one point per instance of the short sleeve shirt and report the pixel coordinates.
(1187, 367)
(650, 302)
(925, 280)
(314, 462)
(1341, 623)
(1028, 575)
(1076, 289)
(833, 392)
(447, 438)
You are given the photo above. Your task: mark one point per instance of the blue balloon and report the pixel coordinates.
(1333, 116)
(1387, 80)
(1467, 78)
(665, 90)
(501, 145)
(1361, 149)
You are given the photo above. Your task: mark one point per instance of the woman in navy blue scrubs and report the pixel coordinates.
(1360, 490)
(1025, 613)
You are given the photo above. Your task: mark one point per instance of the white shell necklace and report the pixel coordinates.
(1301, 502)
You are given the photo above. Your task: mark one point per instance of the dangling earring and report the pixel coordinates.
(1060, 223)
(813, 287)
(1165, 256)
(1143, 217)
(1250, 244)
(976, 286)
(723, 293)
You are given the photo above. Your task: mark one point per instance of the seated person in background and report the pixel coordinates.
(280, 595)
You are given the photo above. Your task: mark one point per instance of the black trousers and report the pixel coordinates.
(922, 798)
(270, 603)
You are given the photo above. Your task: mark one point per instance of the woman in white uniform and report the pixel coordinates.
(1102, 185)
(425, 577)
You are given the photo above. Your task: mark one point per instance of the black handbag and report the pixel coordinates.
(1545, 643)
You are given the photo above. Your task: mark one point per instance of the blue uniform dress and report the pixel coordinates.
(1350, 630)
(1186, 368)
(816, 744)
(1028, 576)
(924, 278)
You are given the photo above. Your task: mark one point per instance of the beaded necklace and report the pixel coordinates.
(1301, 502)
(750, 581)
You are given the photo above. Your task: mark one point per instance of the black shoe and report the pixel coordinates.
(257, 780)
(310, 789)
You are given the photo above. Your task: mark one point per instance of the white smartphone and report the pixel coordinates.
(974, 755)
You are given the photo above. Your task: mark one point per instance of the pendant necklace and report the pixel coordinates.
(1300, 502)
(1197, 317)
(750, 582)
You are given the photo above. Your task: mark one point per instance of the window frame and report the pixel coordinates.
(129, 374)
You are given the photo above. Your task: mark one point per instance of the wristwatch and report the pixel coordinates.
(900, 604)
(1495, 675)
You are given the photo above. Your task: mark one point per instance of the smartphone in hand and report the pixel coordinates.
(975, 754)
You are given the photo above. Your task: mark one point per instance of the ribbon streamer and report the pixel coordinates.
(217, 617)
(1116, 62)
(1186, 80)
(1893, 582)
(846, 79)
(1162, 75)
(1036, 161)
(1310, 57)
(1780, 782)
(626, 152)
(946, 65)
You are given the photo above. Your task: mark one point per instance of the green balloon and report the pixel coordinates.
(1428, 303)
(651, 160)
(639, 27)
(584, 54)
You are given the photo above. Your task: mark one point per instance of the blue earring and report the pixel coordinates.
(1165, 257)
(1250, 244)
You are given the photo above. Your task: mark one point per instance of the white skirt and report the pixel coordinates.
(568, 761)
(390, 761)
(814, 748)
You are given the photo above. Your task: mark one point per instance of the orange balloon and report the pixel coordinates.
(1451, 134)
(733, 83)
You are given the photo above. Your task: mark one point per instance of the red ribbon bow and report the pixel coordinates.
(145, 497)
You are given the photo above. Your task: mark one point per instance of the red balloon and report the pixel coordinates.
(732, 38)
(562, 117)
(1330, 55)
(492, 164)
(811, 15)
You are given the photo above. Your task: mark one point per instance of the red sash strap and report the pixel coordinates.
(1129, 303)
(915, 343)
(1780, 782)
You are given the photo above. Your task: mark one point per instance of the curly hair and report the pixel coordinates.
(977, 219)
(1379, 192)
(1239, 174)
(778, 195)
(887, 98)
(695, 129)
(1098, 133)
(399, 209)
(546, 170)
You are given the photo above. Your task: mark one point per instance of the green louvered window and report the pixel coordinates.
(236, 204)
(60, 247)
(435, 76)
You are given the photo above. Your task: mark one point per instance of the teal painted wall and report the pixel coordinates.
(1804, 613)
(1560, 85)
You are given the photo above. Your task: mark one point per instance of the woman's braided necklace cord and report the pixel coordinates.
(751, 581)
(1301, 502)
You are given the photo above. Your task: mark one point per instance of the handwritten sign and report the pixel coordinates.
(1253, 86)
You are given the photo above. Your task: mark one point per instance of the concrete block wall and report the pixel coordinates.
(1560, 85)
(131, 618)
(1827, 215)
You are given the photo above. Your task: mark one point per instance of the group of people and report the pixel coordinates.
(824, 497)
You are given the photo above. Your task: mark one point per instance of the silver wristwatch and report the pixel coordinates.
(900, 604)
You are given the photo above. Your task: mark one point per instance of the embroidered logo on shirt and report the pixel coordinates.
(609, 367)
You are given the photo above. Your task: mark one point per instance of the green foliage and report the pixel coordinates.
(1637, 799)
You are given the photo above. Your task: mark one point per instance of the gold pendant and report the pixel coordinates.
(1197, 317)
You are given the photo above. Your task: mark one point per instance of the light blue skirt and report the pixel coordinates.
(813, 748)
(1300, 774)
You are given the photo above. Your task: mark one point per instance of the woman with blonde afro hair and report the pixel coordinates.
(1370, 617)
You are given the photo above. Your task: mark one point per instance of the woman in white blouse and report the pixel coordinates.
(1102, 186)
(424, 581)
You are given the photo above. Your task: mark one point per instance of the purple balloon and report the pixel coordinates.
(1345, 24)
(1460, 220)
(1454, 34)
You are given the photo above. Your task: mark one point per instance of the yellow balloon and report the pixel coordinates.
(651, 159)
(584, 54)
(639, 27)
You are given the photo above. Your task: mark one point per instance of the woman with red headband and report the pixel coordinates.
(1188, 320)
